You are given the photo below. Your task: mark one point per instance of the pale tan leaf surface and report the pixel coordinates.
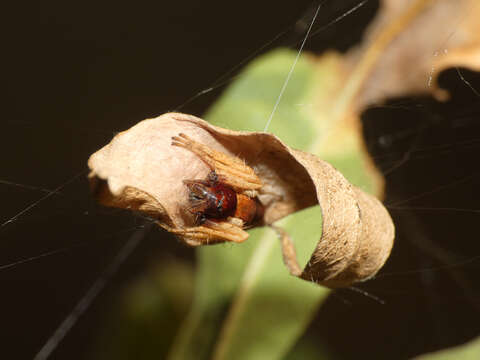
(143, 158)
(145, 172)
(410, 42)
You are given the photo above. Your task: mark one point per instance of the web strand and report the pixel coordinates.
(461, 263)
(475, 91)
(436, 189)
(64, 249)
(33, 258)
(34, 204)
(292, 68)
(26, 186)
(338, 18)
(222, 79)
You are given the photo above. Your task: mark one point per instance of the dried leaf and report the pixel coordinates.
(410, 42)
(143, 171)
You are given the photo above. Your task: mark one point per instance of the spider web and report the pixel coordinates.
(53, 235)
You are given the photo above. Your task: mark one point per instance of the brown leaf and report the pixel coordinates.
(410, 42)
(140, 170)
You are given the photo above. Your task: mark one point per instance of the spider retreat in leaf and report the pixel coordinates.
(223, 204)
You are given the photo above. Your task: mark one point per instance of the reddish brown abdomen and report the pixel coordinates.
(247, 209)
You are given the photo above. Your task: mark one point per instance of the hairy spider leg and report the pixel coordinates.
(233, 171)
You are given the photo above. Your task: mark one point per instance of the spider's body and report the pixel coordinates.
(215, 200)
(225, 202)
(211, 199)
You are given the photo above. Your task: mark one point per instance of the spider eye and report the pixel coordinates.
(195, 197)
(220, 205)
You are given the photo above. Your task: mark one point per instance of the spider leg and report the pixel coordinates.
(210, 232)
(229, 169)
(288, 251)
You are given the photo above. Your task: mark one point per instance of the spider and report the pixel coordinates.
(223, 204)
(226, 202)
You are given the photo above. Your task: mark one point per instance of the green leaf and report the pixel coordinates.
(246, 304)
(468, 351)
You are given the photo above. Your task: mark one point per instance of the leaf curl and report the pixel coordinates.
(142, 171)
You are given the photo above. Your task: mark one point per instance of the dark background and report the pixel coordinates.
(77, 73)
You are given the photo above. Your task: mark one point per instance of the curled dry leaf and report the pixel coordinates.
(141, 170)
(410, 42)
